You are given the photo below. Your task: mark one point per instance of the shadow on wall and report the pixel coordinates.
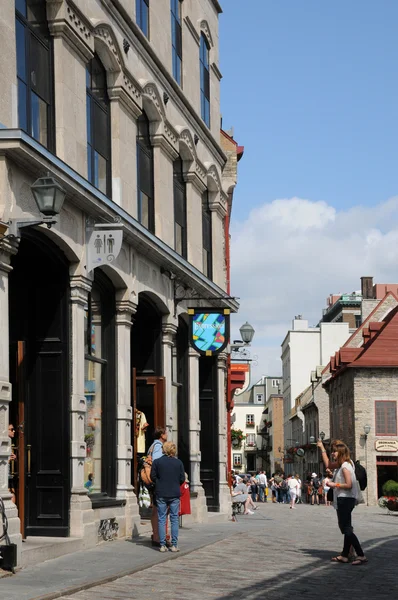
(323, 579)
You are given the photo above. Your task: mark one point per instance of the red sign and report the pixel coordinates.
(243, 367)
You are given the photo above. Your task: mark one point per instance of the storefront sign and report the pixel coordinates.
(209, 330)
(386, 445)
(103, 247)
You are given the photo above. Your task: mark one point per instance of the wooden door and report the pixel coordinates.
(148, 397)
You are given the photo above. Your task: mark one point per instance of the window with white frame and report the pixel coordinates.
(251, 439)
(275, 383)
(259, 398)
(237, 458)
(250, 420)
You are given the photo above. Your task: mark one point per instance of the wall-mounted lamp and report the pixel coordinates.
(165, 98)
(322, 435)
(366, 429)
(49, 196)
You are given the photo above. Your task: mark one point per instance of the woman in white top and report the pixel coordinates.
(345, 493)
(299, 486)
(293, 489)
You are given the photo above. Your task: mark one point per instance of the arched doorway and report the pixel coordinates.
(148, 386)
(39, 373)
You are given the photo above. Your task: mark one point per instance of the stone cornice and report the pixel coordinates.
(67, 22)
(193, 178)
(219, 205)
(159, 140)
(120, 94)
(192, 30)
(217, 6)
(216, 71)
(169, 332)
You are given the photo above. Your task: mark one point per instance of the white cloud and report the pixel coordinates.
(289, 255)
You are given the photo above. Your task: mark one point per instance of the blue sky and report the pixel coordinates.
(311, 89)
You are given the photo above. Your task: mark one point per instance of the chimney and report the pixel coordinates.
(367, 288)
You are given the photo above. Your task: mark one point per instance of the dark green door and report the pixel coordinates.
(39, 316)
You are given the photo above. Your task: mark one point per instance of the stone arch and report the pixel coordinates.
(152, 101)
(116, 276)
(157, 302)
(107, 48)
(186, 144)
(213, 178)
(63, 243)
(205, 29)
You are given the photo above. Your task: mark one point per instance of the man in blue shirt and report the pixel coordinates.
(168, 474)
(156, 450)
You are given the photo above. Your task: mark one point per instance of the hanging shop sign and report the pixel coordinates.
(209, 330)
(103, 247)
(386, 445)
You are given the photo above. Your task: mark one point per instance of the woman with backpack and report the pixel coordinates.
(345, 494)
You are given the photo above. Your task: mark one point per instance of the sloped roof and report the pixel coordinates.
(356, 339)
(379, 349)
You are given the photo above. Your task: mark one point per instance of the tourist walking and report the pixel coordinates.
(262, 486)
(299, 489)
(293, 488)
(168, 474)
(345, 493)
(315, 483)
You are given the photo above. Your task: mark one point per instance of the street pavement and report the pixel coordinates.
(276, 553)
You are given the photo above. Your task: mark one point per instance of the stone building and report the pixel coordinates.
(363, 396)
(119, 103)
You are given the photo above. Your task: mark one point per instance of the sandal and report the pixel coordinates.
(340, 559)
(359, 561)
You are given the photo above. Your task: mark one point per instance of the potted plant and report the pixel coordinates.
(389, 499)
(237, 437)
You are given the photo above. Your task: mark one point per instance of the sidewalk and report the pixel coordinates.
(106, 562)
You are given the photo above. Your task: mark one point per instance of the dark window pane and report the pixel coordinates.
(145, 173)
(98, 81)
(178, 39)
(179, 239)
(21, 50)
(145, 210)
(205, 262)
(206, 83)
(88, 119)
(22, 114)
(20, 5)
(145, 19)
(89, 164)
(40, 68)
(100, 172)
(39, 121)
(100, 126)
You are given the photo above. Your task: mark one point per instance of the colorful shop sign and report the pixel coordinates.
(209, 330)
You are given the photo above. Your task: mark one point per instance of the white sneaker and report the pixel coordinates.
(249, 512)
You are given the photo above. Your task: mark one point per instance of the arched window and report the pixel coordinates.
(204, 80)
(180, 209)
(100, 389)
(206, 237)
(34, 71)
(145, 209)
(176, 39)
(98, 127)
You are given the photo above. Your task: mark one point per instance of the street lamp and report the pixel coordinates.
(246, 333)
(49, 196)
(322, 435)
(366, 429)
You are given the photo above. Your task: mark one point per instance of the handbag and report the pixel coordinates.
(145, 468)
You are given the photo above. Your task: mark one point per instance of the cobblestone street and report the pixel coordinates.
(274, 554)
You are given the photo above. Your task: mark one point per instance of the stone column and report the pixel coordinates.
(7, 250)
(198, 501)
(225, 497)
(169, 331)
(81, 513)
(125, 309)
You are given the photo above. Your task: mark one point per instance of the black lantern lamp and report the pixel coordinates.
(49, 197)
(322, 435)
(246, 332)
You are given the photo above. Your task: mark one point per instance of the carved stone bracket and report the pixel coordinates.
(125, 309)
(80, 287)
(169, 332)
(8, 248)
(66, 21)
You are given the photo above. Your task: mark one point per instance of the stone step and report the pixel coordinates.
(39, 549)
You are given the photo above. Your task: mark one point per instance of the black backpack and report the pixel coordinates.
(361, 476)
(316, 482)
